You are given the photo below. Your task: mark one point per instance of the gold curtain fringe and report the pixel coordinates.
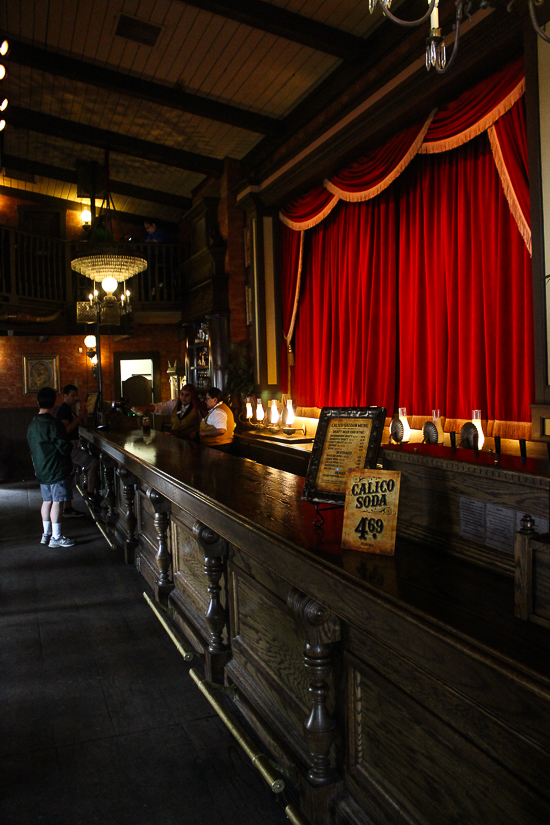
(509, 191)
(298, 226)
(368, 194)
(482, 125)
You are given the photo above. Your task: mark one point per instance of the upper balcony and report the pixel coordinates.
(37, 282)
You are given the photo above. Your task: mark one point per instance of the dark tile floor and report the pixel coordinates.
(99, 720)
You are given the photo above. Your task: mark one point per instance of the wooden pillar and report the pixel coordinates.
(322, 629)
(164, 584)
(215, 552)
(126, 527)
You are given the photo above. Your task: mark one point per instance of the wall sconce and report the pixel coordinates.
(86, 217)
(432, 431)
(90, 344)
(471, 434)
(274, 417)
(476, 421)
(400, 431)
(288, 419)
(260, 412)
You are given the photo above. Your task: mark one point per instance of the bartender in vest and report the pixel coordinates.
(185, 412)
(217, 428)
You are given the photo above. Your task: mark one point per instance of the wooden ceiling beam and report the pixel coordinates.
(62, 203)
(125, 145)
(17, 164)
(287, 24)
(92, 75)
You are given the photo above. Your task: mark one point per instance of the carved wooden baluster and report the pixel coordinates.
(109, 500)
(128, 521)
(161, 519)
(322, 628)
(215, 615)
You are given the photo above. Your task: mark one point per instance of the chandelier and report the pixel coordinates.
(436, 55)
(109, 269)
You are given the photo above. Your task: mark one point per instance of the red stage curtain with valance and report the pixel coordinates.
(465, 294)
(446, 257)
(346, 330)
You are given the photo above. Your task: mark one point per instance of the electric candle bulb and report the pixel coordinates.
(437, 421)
(403, 419)
(434, 16)
(476, 421)
(290, 417)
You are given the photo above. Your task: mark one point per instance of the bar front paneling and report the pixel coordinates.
(388, 689)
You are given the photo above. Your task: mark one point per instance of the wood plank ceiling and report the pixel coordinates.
(218, 78)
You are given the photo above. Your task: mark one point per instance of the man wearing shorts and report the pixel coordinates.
(71, 419)
(51, 457)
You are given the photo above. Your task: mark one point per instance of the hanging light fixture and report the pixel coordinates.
(436, 56)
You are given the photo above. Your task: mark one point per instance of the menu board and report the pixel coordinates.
(345, 448)
(347, 438)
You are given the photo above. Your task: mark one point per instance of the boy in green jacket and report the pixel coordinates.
(51, 457)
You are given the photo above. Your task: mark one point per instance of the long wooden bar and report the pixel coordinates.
(389, 690)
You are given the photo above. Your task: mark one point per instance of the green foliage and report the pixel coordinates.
(240, 375)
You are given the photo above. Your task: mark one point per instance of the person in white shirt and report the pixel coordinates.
(216, 430)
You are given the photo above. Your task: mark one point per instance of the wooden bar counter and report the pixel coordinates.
(388, 690)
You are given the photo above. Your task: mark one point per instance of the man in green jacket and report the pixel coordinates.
(51, 457)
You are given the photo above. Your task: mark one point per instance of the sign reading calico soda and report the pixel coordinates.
(370, 515)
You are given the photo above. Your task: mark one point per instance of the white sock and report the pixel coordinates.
(56, 530)
(47, 528)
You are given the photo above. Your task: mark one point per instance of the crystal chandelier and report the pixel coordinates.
(110, 270)
(436, 56)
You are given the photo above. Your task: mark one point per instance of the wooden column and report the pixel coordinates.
(322, 629)
(126, 527)
(164, 584)
(108, 504)
(215, 552)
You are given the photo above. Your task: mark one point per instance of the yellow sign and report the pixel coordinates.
(370, 515)
(346, 444)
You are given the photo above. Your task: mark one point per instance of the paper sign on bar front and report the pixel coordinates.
(370, 515)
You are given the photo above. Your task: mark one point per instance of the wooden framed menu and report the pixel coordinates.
(348, 438)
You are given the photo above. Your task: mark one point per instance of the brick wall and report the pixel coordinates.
(75, 368)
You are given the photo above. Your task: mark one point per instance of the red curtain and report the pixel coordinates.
(465, 295)
(485, 100)
(346, 331)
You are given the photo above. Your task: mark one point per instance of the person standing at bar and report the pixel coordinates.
(219, 424)
(186, 412)
(51, 458)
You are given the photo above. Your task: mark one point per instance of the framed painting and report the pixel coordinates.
(347, 438)
(40, 371)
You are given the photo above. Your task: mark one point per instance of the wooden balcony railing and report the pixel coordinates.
(38, 269)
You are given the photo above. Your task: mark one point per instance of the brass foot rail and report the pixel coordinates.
(185, 651)
(258, 759)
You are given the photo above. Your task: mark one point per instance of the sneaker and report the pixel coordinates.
(62, 541)
(70, 512)
(45, 538)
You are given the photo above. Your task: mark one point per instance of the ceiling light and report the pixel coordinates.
(2, 125)
(2, 71)
(4, 104)
(4, 48)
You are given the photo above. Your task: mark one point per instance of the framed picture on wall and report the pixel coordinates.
(40, 371)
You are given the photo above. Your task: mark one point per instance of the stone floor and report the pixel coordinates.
(99, 720)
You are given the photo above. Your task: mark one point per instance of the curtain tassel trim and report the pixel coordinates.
(509, 191)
